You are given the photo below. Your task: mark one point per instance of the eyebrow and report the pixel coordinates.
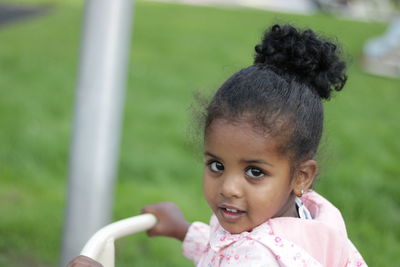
(212, 155)
(257, 161)
(252, 161)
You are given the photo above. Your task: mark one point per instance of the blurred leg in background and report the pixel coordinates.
(381, 55)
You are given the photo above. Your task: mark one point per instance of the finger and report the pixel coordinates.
(151, 233)
(147, 209)
(83, 261)
(143, 210)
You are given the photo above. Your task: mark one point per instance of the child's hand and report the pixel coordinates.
(171, 222)
(83, 261)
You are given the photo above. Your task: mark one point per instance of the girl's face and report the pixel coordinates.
(246, 180)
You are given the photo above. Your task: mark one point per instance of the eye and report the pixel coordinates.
(215, 166)
(254, 173)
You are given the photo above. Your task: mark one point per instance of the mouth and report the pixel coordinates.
(230, 214)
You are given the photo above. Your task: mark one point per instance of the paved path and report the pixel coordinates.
(293, 6)
(12, 13)
(380, 10)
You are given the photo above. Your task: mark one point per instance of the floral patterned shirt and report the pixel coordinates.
(266, 245)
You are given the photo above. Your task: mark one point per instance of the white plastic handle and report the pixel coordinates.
(100, 246)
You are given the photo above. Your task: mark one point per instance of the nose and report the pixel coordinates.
(232, 187)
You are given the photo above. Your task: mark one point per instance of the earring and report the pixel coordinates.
(301, 193)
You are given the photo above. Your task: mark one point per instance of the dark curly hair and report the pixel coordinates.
(281, 93)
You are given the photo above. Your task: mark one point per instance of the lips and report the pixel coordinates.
(230, 213)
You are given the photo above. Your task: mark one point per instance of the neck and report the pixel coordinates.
(289, 209)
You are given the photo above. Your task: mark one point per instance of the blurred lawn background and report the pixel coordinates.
(177, 50)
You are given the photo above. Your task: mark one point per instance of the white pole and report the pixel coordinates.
(97, 121)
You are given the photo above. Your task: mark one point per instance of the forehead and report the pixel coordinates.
(238, 135)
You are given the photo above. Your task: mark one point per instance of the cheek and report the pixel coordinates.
(262, 192)
(210, 188)
(207, 187)
(268, 196)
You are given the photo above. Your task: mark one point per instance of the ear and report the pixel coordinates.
(305, 175)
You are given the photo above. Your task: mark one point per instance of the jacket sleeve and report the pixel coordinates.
(196, 241)
(355, 259)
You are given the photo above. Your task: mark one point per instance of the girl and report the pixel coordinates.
(261, 133)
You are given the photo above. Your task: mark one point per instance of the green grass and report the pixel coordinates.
(177, 50)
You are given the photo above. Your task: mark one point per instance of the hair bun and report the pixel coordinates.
(312, 60)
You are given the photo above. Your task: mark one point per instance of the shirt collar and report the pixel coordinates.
(220, 238)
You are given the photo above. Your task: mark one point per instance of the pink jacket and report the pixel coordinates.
(283, 241)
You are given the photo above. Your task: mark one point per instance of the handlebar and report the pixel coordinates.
(100, 246)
